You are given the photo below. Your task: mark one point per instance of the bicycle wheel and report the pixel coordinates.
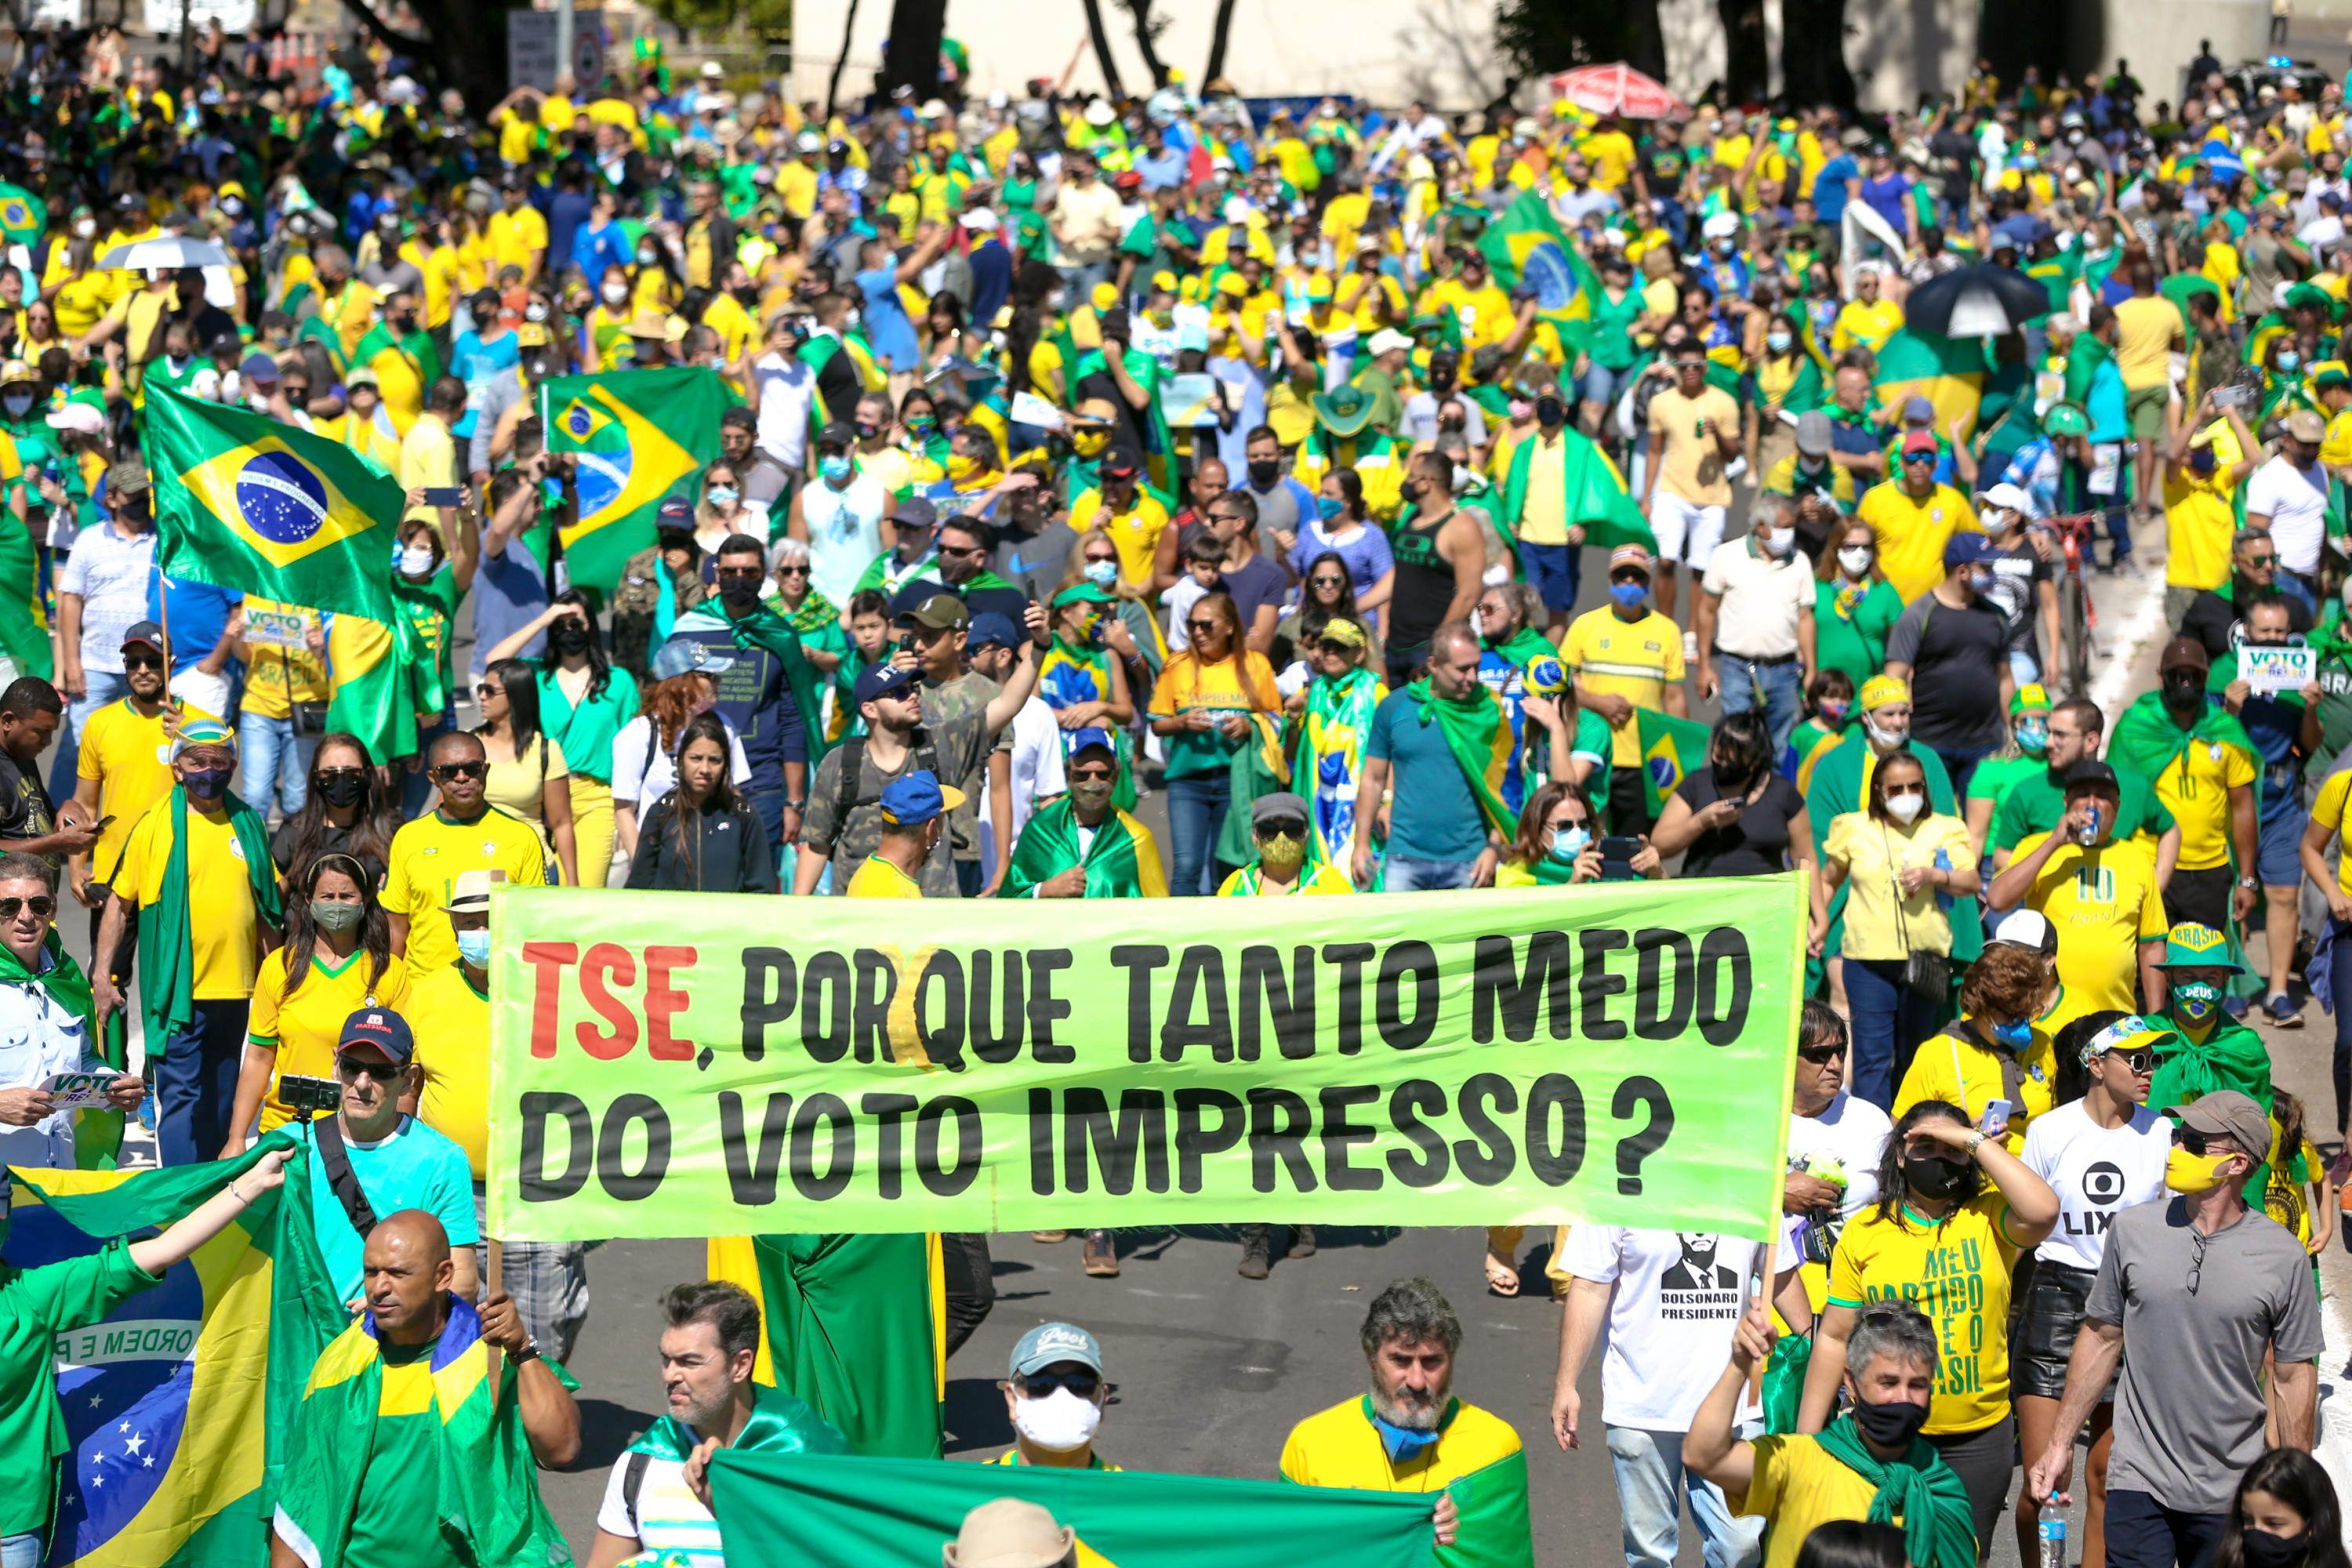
(2074, 615)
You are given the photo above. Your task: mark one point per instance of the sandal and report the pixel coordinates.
(1502, 1274)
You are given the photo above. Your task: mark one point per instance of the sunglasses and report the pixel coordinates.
(738, 573)
(1092, 559)
(462, 770)
(375, 1067)
(1909, 457)
(1197, 627)
(2141, 1061)
(964, 549)
(141, 661)
(2197, 1144)
(1094, 775)
(324, 774)
(1821, 1055)
(1328, 582)
(486, 689)
(42, 906)
(1042, 1385)
(1565, 824)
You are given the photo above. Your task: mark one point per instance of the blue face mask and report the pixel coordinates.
(1402, 1442)
(2288, 358)
(2033, 739)
(474, 947)
(722, 495)
(1628, 595)
(1102, 573)
(838, 469)
(206, 784)
(1568, 843)
(2013, 1037)
(1329, 508)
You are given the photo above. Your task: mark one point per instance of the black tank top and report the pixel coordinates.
(1424, 584)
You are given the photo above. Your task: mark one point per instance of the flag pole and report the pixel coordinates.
(163, 618)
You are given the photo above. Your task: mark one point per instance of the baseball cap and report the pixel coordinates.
(2027, 927)
(684, 656)
(1120, 463)
(2304, 425)
(1917, 441)
(2192, 945)
(1965, 548)
(382, 1027)
(1917, 410)
(2128, 1033)
(1630, 555)
(1343, 631)
(916, 512)
(470, 893)
(2032, 698)
(677, 512)
(145, 634)
(2333, 375)
(837, 433)
(1008, 1533)
(1047, 1344)
(979, 220)
(2183, 653)
(937, 612)
(877, 680)
(2091, 772)
(128, 476)
(993, 628)
(1281, 806)
(1814, 433)
(1389, 338)
(912, 799)
(2226, 1113)
(2008, 497)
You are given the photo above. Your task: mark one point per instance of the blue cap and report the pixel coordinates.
(1049, 1344)
(676, 512)
(1967, 549)
(883, 679)
(993, 628)
(912, 799)
(384, 1029)
(684, 656)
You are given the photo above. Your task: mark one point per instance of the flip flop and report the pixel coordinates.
(1502, 1275)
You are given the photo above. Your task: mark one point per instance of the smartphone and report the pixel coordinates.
(2230, 397)
(309, 1096)
(1617, 854)
(444, 495)
(1995, 1120)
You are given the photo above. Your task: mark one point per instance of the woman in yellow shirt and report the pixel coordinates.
(1940, 1237)
(528, 777)
(1895, 856)
(339, 956)
(1993, 1052)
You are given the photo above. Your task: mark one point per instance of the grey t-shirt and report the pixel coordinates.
(1278, 512)
(2189, 1408)
(962, 744)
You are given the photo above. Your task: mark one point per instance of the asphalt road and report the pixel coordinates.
(1210, 1371)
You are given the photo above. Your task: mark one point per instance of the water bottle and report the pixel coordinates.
(2053, 1528)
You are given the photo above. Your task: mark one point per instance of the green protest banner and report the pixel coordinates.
(679, 1065)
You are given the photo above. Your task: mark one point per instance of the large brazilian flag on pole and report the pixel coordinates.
(1527, 245)
(639, 438)
(244, 502)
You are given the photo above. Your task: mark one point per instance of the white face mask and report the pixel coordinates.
(415, 559)
(1885, 739)
(1906, 808)
(1777, 542)
(614, 293)
(1058, 1423)
(1855, 562)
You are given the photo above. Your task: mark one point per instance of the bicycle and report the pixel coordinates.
(2077, 617)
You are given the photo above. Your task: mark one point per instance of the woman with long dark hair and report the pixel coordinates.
(1738, 817)
(529, 777)
(1326, 593)
(1938, 1236)
(337, 958)
(2285, 1515)
(584, 705)
(701, 837)
(347, 808)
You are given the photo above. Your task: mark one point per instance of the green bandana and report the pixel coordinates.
(1939, 1528)
(781, 1422)
(167, 961)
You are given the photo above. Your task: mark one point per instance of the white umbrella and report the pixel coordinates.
(165, 254)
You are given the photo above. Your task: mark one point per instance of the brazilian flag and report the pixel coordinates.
(1527, 245)
(641, 437)
(23, 216)
(1671, 748)
(244, 502)
(1948, 371)
(843, 1512)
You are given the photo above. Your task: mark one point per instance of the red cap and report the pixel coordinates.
(1918, 441)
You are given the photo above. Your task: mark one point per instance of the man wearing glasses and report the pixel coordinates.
(2211, 617)
(463, 833)
(369, 1160)
(962, 572)
(45, 1022)
(1915, 518)
(1055, 1398)
(2199, 1287)
(123, 766)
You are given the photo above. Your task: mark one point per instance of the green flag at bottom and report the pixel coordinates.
(849, 1513)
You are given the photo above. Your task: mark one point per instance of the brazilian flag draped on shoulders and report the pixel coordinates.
(617, 424)
(469, 1477)
(1123, 862)
(173, 1402)
(1478, 732)
(852, 1326)
(2150, 744)
(1527, 245)
(845, 1512)
(769, 633)
(1595, 491)
(23, 216)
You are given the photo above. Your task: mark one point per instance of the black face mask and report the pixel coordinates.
(568, 636)
(1264, 471)
(1731, 781)
(1935, 1175)
(340, 792)
(2262, 1550)
(1891, 1425)
(1550, 411)
(2188, 692)
(739, 595)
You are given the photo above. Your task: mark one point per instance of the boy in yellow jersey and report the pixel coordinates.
(914, 815)
(1409, 1434)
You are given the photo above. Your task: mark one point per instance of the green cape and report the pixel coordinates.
(1939, 1528)
(167, 960)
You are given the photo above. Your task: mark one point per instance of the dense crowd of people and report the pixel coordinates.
(1195, 468)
